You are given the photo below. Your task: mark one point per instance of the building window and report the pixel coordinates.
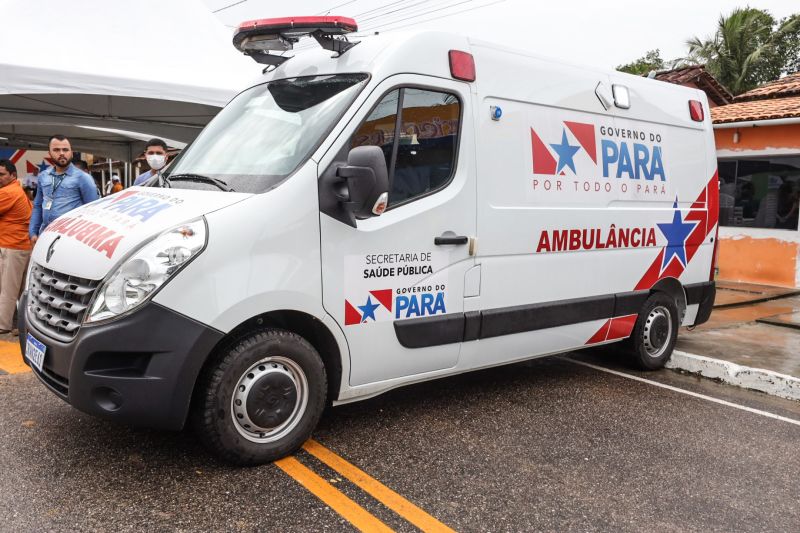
(759, 192)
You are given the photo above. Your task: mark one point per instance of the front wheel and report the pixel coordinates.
(260, 400)
(655, 332)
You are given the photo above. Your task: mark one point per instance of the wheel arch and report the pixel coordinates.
(673, 288)
(307, 326)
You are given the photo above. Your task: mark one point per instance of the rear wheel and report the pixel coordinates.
(655, 332)
(260, 399)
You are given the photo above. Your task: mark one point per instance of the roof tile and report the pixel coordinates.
(701, 78)
(786, 86)
(772, 108)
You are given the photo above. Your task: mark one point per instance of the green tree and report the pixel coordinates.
(749, 48)
(650, 61)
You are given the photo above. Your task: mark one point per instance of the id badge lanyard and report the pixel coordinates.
(48, 201)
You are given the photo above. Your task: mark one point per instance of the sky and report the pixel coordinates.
(601, 34)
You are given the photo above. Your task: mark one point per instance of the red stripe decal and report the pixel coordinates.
(706, 218)
(17, 156)
(600, 336)
(543, 162)
(621, 327)
(351, 316)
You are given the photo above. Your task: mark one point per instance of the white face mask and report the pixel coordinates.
(156, 161)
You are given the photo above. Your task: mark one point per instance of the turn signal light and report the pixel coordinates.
(696, 110)
(462, 65)
(380, 204)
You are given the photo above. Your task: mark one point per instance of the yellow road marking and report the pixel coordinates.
(350, 510)
(376, 489)
(11, 358)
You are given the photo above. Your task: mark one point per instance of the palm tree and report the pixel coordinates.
(745, 51)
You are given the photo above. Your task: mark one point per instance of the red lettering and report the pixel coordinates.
(651, 238)
(559, 240)
(57, 224)
(86, 231)
(635, 235)
(574, 239)
(544, 242)
(612, 237)
(624, 238)
(76, 227)
(97, 237)
(110, 246)
(588, 239)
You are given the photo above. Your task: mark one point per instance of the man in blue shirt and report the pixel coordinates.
(62, 188)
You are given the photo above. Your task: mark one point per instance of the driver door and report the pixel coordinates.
(397, 294)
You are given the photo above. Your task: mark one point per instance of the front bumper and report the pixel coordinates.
(139, 369)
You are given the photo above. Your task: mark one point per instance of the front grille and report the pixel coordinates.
(57, 303)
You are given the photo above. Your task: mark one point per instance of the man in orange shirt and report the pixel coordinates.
(15, 246)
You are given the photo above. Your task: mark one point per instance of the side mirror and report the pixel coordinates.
(364, 187)
(356, 189)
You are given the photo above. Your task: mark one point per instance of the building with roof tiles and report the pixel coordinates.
(696, 77)
(758, 150)
(757, 136)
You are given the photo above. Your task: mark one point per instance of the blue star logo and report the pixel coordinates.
(43, 166)
(565, 153)
(676, 233)
(368, 310)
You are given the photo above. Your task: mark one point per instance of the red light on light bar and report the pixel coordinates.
(696, 110)
(462, 65)
(327, 24)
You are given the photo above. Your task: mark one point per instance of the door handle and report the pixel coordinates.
(450, 239)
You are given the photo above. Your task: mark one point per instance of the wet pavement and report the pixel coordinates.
(761, 332)
(730, 293)
(544, 445)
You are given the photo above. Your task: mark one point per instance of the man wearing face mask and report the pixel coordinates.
(156, 155)
(62, 187)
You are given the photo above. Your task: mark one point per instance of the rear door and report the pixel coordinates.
(395, 292)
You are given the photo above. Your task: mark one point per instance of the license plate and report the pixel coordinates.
(34, 352)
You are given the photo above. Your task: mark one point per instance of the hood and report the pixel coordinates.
(90, 240)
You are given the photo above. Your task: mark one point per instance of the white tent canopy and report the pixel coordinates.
(153, 67)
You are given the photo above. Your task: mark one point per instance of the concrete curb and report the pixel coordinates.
(766, 381)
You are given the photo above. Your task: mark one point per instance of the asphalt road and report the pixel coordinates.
(546, 445)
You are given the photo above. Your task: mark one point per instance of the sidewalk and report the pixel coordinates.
(10, 358)
(751, 340)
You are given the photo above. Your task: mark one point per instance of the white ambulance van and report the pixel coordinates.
(374, 214)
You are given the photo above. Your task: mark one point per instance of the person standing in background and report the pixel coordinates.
(30, 182)
(110, 184)
(62, 187)
(155, 152)
(15, 247)
(116, 185)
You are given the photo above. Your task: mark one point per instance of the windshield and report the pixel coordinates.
(266, 132)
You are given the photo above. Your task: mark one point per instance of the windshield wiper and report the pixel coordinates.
(198, 177)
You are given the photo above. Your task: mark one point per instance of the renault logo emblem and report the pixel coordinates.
(51, 249)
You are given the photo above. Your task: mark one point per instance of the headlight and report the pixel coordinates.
(144, 272)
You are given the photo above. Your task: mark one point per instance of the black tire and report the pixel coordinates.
(272, 381)
(654, 333)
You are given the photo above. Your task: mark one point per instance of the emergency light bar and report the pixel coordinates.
(256, 38)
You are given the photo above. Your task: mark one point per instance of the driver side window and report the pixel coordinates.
(417, 129)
